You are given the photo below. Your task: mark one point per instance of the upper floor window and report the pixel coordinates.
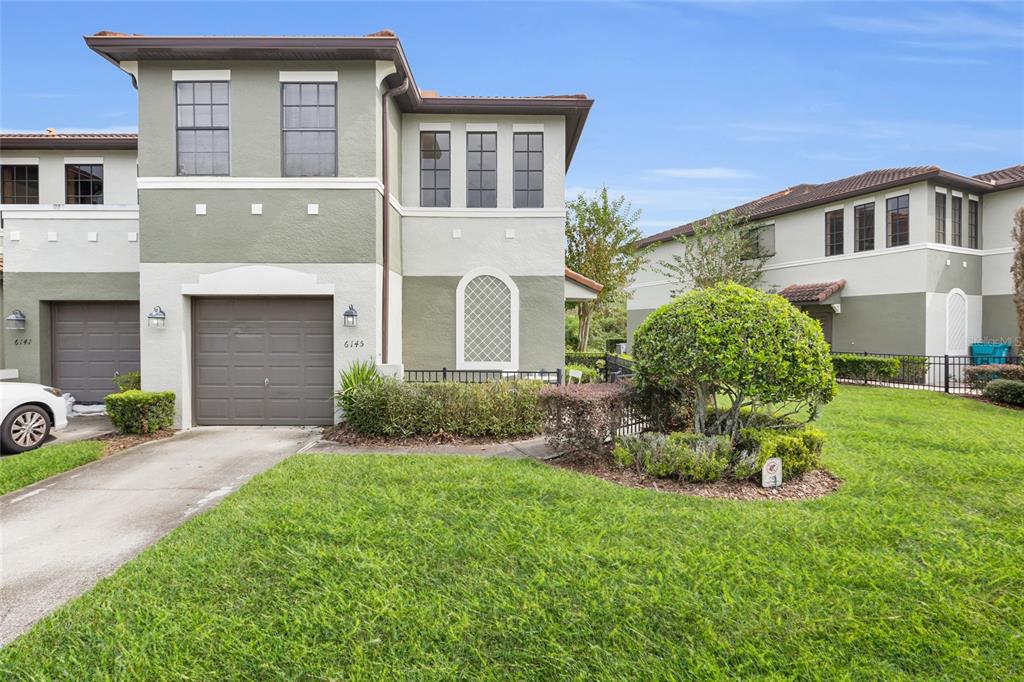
(20, 184)
(897, 211)
(309, 129)
(202, 120)
(834, 233)
(760, 241)
(528, 170)
(83, 183)
(481, 170)
(940, 217)
(435, 169)
(957, 222)
(864, 226)
(972, 224)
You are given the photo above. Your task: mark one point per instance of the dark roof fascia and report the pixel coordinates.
(8, 143)
(117, 49)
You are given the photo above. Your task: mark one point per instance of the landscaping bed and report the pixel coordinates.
(115, 442)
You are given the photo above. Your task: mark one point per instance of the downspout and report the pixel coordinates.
(386, 217)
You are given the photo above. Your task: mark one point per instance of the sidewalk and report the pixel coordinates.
(533, 448)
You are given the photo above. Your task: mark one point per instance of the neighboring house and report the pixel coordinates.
(904, 260)
(302, 204)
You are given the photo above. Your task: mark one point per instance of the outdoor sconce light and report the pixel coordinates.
(15, 321)
(350, 316)
(157, 318)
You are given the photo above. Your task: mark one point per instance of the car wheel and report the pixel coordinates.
(24, 429)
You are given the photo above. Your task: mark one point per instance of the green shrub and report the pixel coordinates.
(1005, 391)
(583, 417)
(865, 367)
(129, 381)
(913, 368)
(497, 409)
(799, 450)
(589, 358)
(359, 373)
(137, 411)
(590, 374)
(730, 342)
(979, 375)
(683, 455)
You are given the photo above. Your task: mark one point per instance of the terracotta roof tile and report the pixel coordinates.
(811, 293)
(583, 281)
(1004, 176)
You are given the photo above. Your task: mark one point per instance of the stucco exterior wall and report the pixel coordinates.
(119, 172)
(997, 217)
(71, 238)
(1000, 319)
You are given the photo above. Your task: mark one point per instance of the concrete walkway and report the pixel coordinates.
(82, 427)
(534, 448)
(60, 536)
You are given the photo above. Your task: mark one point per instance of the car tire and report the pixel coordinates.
(25, 428)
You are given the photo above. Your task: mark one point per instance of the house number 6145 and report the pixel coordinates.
(355, 343)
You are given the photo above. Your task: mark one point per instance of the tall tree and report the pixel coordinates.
(722, 248)
(600, 234)
(1017, 233)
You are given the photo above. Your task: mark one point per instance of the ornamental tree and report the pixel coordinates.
(739, 352)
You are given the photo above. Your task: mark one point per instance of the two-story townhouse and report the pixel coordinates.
(905, 260)
(303, 204)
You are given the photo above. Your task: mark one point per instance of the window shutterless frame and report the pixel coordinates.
(83, 183)
(940, 217)
(834, 233)
(435, 168)
(20, 184)
(864, 227)
(973, 209)
(527, 170)
(897, 221)
(481, 169)
(202, 107)
(297, 132)
(957, 222)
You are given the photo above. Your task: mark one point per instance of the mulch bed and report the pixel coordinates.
(346, 436)
(813, 484)
(115, 442)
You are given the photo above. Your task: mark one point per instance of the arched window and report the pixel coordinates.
(487, 321)
(956, 322)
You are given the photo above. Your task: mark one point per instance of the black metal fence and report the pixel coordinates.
(478, 376)
(617, 367)
(946, 373)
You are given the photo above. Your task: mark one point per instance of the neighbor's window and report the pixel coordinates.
(481, 170)
(83, 183)
(957, 221)
(202, 120)
(864, 225)
(20, 184)
(309, 129)
(834, 233)
(972, 224)
(940, 217)
(528, 170)
(435, 169)
(897, 210)
(760, 242)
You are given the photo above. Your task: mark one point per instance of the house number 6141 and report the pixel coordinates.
(355, 343)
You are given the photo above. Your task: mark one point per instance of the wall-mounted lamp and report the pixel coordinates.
(350, 316)
(15, 321)
(157, 318)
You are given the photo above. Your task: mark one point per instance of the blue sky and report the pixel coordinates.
(699, 106)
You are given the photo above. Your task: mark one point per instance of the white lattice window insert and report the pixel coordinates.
(956, 323)
(487, 321)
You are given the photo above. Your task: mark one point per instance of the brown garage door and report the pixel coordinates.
(91, 343)
(263, 360)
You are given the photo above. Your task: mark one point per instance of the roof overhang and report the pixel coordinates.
(119, 49)
(11, 142)
(579, 288)
(821, 293)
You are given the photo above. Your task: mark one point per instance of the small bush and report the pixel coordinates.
(129, 381)
(913, 368)
(664, 411)
(979, 375)
(799, 450)
(137, 411)
(359, 373)
(1005, 391)
(583, 417)
(590, 374)
(497, 409)
(865, 367)
(683, 455)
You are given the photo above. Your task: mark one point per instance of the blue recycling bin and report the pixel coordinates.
(989, 353)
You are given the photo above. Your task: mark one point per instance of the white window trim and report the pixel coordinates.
(83, 160)
(435, 127)
(527, 127)
(967, 318)
(308, 76)
(482, 127)
(460, 321)
(19, 160)
(200, 75)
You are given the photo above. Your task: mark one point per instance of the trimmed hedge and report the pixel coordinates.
(137, 411)
(1005, 391)
(913, 368)
(129, 381)
(979, 375)
(583, 417)
(865, 367)
(589, 358)
(497, 409)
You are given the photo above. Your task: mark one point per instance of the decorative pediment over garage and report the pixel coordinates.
(258, 280)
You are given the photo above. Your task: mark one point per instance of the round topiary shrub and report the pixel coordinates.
(739, 352)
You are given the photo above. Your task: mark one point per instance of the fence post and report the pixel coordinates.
(558, 375)
(444, 374)
(945, 381)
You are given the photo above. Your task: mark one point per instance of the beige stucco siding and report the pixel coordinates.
(119, 187)
(997, 217)
(71, 239)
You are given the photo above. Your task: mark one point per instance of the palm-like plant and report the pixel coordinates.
(359, 373)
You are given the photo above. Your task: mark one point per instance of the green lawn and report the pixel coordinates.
(18, 471)
(413, 567)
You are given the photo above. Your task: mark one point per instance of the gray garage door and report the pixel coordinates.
(263, 360)
(91, 343)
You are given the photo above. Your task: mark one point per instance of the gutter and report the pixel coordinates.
(386, 217)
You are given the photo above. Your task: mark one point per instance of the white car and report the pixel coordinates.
(28, 412)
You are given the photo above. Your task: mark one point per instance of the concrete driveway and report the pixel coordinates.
(60, 536)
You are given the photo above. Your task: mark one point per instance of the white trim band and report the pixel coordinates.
(308, 76)
(19, 161)
(83, 160)
(228, 182)
(201, 74)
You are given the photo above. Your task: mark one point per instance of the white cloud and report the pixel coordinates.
(708, 173)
